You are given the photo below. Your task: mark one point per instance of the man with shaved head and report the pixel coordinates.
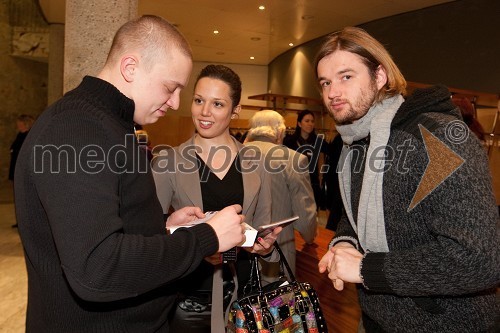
(97, 253)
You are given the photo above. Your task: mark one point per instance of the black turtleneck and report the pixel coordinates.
(97, 254)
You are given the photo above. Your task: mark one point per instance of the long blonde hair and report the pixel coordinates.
(372, 53)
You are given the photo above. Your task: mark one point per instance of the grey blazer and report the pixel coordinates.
(177, 182)
(292, 194)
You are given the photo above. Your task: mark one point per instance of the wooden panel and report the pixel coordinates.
(481, 99)
(170, 130)
(341, 308)
(284, 99)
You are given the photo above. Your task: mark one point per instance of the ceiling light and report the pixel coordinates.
(262, 7)
(216, 32)
(290, 44)
(252, 58)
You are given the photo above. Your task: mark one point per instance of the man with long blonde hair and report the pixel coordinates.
(420, 231)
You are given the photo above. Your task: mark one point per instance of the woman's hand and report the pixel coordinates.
(264, 246)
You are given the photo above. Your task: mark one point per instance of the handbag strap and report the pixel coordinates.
(255, 279)
(285, 262)
(255, 264)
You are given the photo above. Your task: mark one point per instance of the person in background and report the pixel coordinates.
(23, 123)
(291, 189)
(468, 112)
(419, 237)
(305, 141)
(93, 232)
(216, 171)
(143, 141)
(333, 198)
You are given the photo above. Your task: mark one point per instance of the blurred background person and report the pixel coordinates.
(468, 111)
(143, 140)
(307, 142)
(291, 189)
(331, 189)
(24, 123)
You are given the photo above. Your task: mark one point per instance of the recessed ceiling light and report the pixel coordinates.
(290, 44)
(216, 32)
(262, 7)
(252, 58)
(255, 39)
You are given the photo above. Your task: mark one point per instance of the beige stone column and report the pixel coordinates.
(90, 27)
(56, 62)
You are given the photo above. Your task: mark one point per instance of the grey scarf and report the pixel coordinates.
(370, 226)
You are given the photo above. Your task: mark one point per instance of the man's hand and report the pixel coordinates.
(184, 216)
(228, 226)
(345, 266)
(342, 262)
(325, 262)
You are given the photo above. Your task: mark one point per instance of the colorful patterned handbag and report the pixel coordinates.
(291, 307)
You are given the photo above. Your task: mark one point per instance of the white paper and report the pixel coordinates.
(250, 233)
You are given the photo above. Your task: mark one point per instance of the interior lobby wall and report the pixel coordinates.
(23, 89)
(454, 43)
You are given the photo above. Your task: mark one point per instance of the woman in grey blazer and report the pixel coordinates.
(212, 170)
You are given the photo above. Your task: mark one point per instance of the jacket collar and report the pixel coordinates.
(191, 180)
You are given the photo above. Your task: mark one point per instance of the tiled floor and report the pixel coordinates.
(13, 279)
